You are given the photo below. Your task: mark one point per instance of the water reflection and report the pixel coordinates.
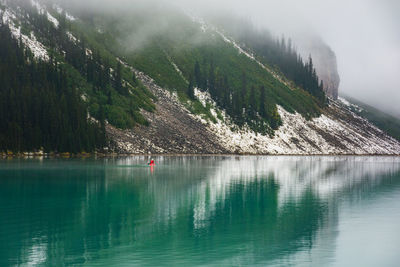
(186, 211)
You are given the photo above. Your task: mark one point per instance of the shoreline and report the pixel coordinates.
(95, 155)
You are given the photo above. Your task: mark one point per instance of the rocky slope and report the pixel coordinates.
(174, 129)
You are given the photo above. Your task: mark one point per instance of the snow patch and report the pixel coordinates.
(60, 11)
(233, 138)
(72, 37)
(204, 27)
(344, 101)
(38, 49)
(52, 20)
(252, 57)
(337, 131)
(41, 10)
(319, 136)
(177, 69)
(350, 105)
(175, 66)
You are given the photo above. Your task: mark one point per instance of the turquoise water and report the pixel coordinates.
(201, 211)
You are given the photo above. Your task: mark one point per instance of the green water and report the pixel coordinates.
(201, 211)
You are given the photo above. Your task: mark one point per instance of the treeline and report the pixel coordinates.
(245, 104)
(38, 109)
(88, 62)
(113, 93)
(282, 53)
(279, 52)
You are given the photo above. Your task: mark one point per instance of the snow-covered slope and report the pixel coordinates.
(338, 131)
(9, 17)
(12, 17)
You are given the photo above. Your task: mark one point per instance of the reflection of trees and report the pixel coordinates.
(67, 213)
(247, 210)
(248, 222)
(36, 211)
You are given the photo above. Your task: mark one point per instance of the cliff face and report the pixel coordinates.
(324, 60)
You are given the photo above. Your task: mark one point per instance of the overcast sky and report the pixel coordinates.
(365, 35)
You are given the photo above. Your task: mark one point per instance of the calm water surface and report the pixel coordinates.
(201, 211)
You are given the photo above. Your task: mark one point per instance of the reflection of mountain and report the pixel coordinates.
(324, 176)
(304, 189)
(188, 211)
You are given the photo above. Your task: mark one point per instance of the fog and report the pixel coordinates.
(365, 35)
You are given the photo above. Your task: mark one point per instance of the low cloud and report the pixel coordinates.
(364, 34)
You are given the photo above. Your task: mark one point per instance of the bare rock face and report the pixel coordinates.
(326, 66)
(324, 59)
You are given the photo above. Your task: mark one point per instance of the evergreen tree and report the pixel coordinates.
(38, 107)
(244, 86)
(280, 53)
(109, 98)
(211, 78)
(197, 75)
(262, 110)
(252, 103)
(190, 90)
(118, 80)
(134, 79)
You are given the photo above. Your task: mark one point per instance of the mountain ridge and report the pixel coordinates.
(175, 96)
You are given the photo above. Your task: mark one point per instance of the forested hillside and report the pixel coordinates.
(38, 106)
(181, 57)
(386, 122)
(279, 52)
(93, 82)
(156, 79)
(186, 54)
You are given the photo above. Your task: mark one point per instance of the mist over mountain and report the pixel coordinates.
(324, 59)
(173, 77)
(363, 34)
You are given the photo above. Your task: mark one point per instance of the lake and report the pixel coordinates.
(201, 211)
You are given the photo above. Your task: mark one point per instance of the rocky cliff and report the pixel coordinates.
(325, 62)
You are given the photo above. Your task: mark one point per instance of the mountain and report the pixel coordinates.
(324, 61)
(160, 80)
(388, 123)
